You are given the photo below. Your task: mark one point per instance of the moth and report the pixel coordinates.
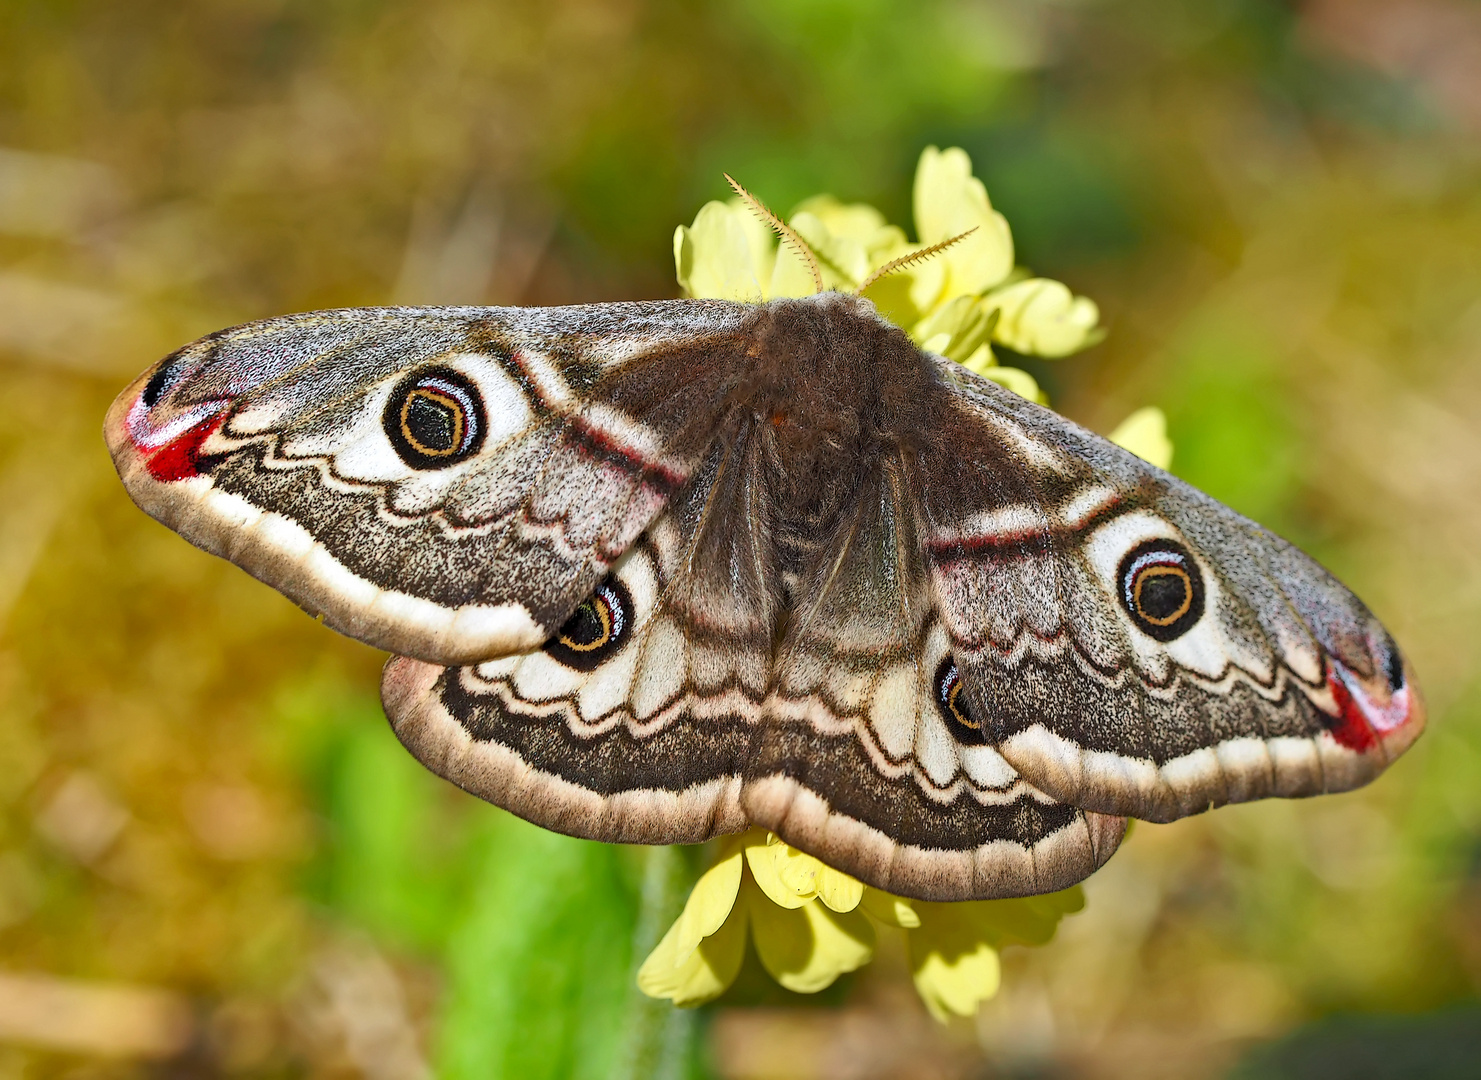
(654, 572)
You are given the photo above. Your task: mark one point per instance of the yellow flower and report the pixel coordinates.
(803, 916)
(1144, 433)
(727, 254)
(810, 924)
(1041, 317)
(954, 953)
(950, 201)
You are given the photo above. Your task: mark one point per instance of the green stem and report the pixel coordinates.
(659, 1040)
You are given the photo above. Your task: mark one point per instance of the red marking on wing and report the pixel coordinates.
(1351, 728)
(1012, 543)
(603, 442)
(1031, 541)
(1361, 719)
(607, 445)
(180, 459)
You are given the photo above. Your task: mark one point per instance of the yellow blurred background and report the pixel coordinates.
(215, 860)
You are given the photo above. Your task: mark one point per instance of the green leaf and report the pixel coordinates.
(541, 968)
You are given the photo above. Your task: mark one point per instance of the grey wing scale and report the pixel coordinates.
(298, 447)
(1133, 646)
(863, 757)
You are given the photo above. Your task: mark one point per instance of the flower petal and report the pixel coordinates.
(942, 323)
(705, 973)
(852, 221)
(844, 259)
(981, 360)
(1020, 382)
(936, 343)
(1028, 920)
(796, 870)
(956, 985)
(791, 275)
(727, 254)
(953, 956)
(838, 890)
(710, 902)
(1144, 433)
(889, 909)
(806, 949)
(949, 200)
(968, 322)
(1041, 317)
(762, 859)
(905, 296)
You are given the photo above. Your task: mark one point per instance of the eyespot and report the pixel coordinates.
(596, 629)
(952, 704)
(434, 418)
(1161, 589)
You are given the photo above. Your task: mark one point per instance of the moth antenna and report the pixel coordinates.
(782, 229)
(914, 257)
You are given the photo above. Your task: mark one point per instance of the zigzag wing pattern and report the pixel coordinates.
(1133, 646)
(867, 757)
(446, 483)
(633, 724)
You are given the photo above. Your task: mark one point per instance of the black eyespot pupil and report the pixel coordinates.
(1161, 589)
(1162, 596)
(434, 418)
(433, 422)
(596, 630)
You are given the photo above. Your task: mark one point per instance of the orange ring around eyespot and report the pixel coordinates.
(603, 611)
(1162, 570)
(961, 716)
(460, 421)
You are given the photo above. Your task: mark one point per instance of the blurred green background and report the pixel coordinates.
(214, 857)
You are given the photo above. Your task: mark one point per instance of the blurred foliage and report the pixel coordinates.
(1276, 206)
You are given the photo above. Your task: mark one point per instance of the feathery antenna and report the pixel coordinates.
(782, 229)
(909, 260)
